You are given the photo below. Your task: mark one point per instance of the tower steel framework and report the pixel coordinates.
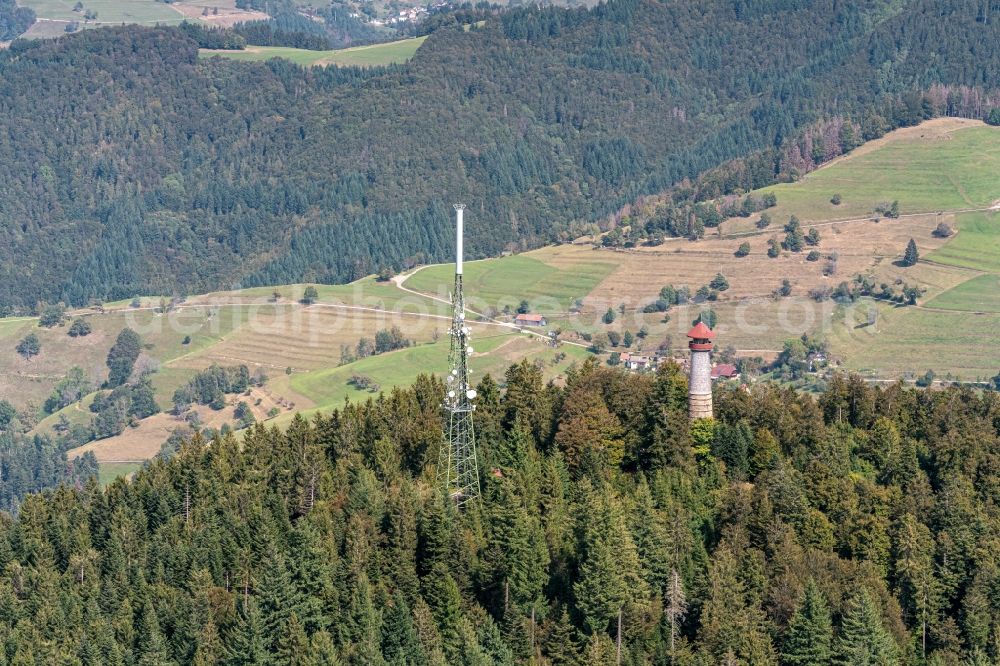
(458, 467)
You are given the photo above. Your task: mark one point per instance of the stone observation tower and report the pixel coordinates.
(700, 380)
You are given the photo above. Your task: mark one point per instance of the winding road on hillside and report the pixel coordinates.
(398, 280)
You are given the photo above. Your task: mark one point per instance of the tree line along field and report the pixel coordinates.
(933, 169)
(55, 15)
(946, 164)
(574, 284)
(147, 12)
(298, 346)
(360, 56)
(936, 168)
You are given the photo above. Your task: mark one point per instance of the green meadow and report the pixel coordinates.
(108, 472)
(976, 245)
(506, 281)
(388, 53)
(926, 173)
(30, 381)
(913, 340)
(366, 292)
(108, 11)
(980, 294)
(493, 354)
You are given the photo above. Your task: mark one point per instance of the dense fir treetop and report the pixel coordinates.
(857, 528)
(129, 166)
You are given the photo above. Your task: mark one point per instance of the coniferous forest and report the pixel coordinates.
(859, 527)
(128, 165)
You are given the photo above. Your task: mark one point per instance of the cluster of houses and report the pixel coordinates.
(408, 15)
(644, 362)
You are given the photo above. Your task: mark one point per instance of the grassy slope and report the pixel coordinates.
(494, 353)
(363, 56)
(108, 11)
(910, 341)
(506, 281)
(247, 327)
(947, 164)
(976, 246)
(979, 295)
(32, 381)
(111, 471)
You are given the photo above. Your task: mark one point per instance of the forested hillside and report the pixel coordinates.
(287, 27)
(859, 528)
(32, 464)
(129, 166)
(14, 20)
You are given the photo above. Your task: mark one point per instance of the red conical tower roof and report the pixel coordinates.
(701, 332)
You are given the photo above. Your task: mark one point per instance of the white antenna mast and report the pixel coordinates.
(458, 468)
(459, 241)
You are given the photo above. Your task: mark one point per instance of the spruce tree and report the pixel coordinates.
(152, 645)
(278, 597)
(864, 640)
(529, 558)
(609, 580)
(122, 357)
(323, 652)
(492, 644)
(730, 622)
(667, 430)
(810, 631)
(732, 444)
(445, 601)
(312, 577)
(209, 647)
(915, 573)
(400, 643)
(246, 643)
(365, 620)
(561, 645)
(469, 651)
(292, 647)
(427, 632)
(651, 540)
(910, 255)
(516, 633)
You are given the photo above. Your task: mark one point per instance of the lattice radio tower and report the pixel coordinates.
(458, 470)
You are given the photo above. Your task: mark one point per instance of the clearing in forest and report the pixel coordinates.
(388, 53)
